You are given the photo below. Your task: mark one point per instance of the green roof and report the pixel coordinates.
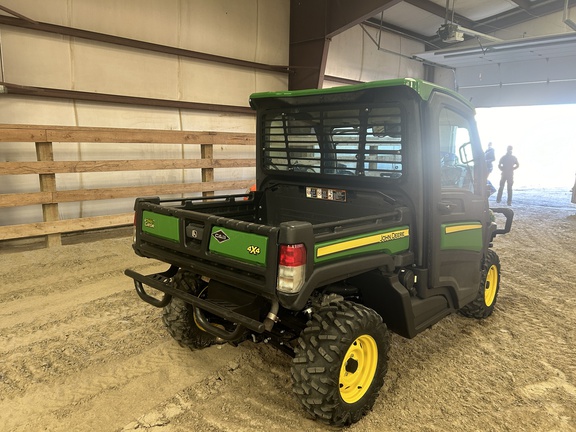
(423, 88)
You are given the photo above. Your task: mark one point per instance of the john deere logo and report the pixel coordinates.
(220, 236)
(393, 236)
(149, 223)
(253, 250)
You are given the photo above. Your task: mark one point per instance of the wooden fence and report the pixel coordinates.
(46, 168)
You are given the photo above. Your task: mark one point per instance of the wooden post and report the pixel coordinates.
(44, 152)
(207, 152)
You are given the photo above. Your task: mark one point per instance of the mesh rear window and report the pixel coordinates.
(359, 141)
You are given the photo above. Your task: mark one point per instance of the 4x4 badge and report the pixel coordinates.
(220, 236)
(253, 250)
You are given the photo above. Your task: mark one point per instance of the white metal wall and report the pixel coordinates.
(253, 30)
(354, 54)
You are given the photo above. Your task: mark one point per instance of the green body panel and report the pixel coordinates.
(390, 241)
(166, 227)
(242, 246)
(461, 236)
(423, 88)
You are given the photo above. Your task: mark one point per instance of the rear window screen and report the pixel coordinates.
(361, 141)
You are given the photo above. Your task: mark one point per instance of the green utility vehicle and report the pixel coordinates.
(370, 215)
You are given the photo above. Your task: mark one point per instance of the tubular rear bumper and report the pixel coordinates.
(161, 282)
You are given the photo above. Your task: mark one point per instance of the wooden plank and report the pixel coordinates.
(32, 134)
(64, 226)
(22, 126)
(74, 134)
(60, 167)
(152, 190)
(25, 199)
(150, 136)
(16, 200)
(44, 152)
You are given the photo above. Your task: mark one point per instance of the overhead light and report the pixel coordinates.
(555, 40)
(449, 33)
(540, 42)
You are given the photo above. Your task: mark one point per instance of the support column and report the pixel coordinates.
(207, 152)
(312, 24)
(44, 153)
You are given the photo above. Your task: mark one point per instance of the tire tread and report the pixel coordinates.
(318, 356)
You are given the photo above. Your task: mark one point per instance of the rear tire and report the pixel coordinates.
(178, 316)
(483, 305)
(340, 362)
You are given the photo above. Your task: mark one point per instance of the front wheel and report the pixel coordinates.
(340, 362)
(483, 305)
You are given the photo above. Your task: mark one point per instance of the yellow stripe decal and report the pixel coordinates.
(364, 241)
(458, 228)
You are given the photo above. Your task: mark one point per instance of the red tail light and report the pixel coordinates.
(291, 268)
(292, 255)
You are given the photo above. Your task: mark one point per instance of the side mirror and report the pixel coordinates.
(466, 153)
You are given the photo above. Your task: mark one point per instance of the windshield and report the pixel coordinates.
(353, 141)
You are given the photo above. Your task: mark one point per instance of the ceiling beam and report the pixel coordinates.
(312, 24)
(439, 11)
(511, 18)
(345, 14)
(524, 4)
(308, 43)
(383, 25)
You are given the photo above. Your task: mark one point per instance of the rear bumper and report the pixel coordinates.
(162, 282)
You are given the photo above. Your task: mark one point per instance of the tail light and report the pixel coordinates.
(291, 268)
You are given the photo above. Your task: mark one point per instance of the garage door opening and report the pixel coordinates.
(544, 142)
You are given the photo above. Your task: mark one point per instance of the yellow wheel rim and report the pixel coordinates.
(491, 285)
(358, 369)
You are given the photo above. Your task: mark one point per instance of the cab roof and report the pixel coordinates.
(423, 88)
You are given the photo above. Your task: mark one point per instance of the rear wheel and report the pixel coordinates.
(483, 305)
(340, 363)
(178, 316)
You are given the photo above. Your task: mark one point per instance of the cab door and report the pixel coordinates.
(456, 199)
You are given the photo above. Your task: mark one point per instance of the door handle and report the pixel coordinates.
(446, 207)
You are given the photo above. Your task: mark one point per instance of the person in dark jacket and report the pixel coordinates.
(508, 164)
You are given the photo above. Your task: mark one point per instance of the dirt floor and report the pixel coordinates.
(80, 352)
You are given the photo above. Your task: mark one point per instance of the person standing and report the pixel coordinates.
(490, 157)
(508, 164)
(574, 193)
